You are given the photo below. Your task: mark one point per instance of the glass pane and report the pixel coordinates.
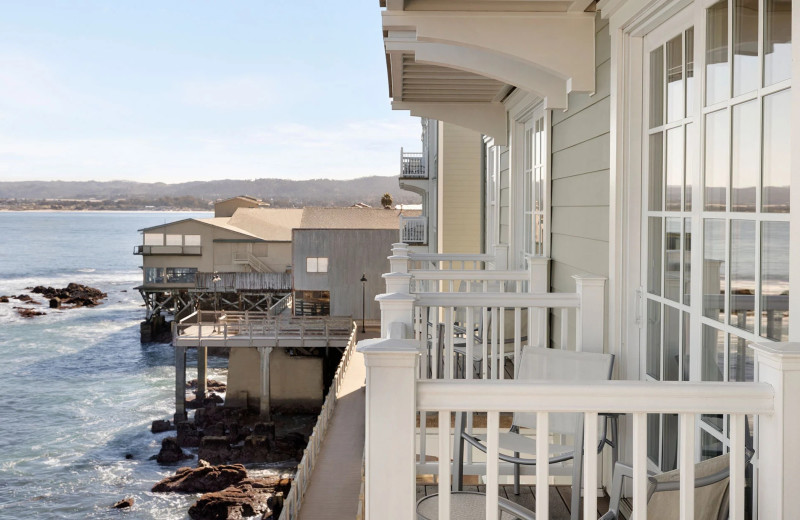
(712, 365)
(775, 280)
(745, 156)
(745, 46)
(674, 169)
(690, 72)
(653, 436)
(710, 446)
(692, 159)
(654, 339)
(672, 259)
(687, 260)
(672, 345)
(777, 41)
(686, 347)
(669, 438)
(743, 274)
(675, 102)
(657, 87)
(717, 160)
(323, 264)
(777, 147)
(714, 269)
(740, 359)
(654, 187)
(717, 72)
(654, 255)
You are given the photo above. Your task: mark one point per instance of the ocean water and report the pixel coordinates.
(79, 389)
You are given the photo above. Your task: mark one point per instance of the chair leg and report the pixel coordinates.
(577, 472)
(458, 452)
(516, 475)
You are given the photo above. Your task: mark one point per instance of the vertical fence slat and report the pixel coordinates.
(640, 465)
(434, 341)
(542, 470)
(492, 464)
(449, 334)
(517, 338)
(737, 482)
(590, 442)
(565, 329)
(470, 353)
(444, 464)
(686, 454)
(494, 327)
(501, 345)
(484, 341)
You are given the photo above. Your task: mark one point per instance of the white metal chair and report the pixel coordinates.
(470, 505)
(542, 364)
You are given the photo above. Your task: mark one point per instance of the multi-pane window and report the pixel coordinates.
(533, 175)
(317, 264)
(671, 147)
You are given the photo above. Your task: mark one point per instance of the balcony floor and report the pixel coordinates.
(560, 497)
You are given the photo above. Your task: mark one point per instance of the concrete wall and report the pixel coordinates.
(295, 382)
(460, 190)
(580, 182)
(219, 255)
(350, 253)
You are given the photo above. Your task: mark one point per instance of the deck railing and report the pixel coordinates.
(232, 282)
(414, 230)
(427, 261)
(401, 386)
(293, 500)
(412, 165)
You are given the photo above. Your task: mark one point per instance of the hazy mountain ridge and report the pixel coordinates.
(280, 192)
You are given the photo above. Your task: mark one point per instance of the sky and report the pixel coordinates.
(178, 90)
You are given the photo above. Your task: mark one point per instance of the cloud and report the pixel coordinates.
(236, 93)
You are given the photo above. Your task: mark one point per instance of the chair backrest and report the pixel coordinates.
(547, 364)
(710, 501)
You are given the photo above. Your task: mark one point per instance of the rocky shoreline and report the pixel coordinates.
(226, 438)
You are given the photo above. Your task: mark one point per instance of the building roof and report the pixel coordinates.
(353, 218)
(273, 224)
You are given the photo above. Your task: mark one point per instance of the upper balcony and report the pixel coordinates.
(412, 166)
(169, 244)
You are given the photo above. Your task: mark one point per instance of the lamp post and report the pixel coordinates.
(215, 279)
(363, 301)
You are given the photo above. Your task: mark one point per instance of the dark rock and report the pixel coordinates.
(73, 295)
(265, 430)
(24, 298)
(161, 425)
(247, 498)
(124, 503)
(26, 312)
(188, 435)
(213, 399)
(128, 456)
(171, 452)
(204, 478)
(3, 299)
(215, 430)
(55, 303)
(215, 450)
(211, 385)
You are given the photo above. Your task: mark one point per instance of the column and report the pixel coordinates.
(264, 404)
(180, 384)
(202, 372)
(591, 313)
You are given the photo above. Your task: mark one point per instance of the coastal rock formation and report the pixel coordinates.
(188, 435)
(73, 295)
(212, 385)
(205, 478)
(3, 299)
(124, 503)
(161, 425)
(171, 452)
(247, 498)
(27, 312)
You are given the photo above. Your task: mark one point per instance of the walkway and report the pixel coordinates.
(336, 481)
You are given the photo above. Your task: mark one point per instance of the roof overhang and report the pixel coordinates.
(440, 61)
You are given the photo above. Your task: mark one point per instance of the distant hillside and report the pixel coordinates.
(279, 192)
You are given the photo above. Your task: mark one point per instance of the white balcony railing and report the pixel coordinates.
(412, 166)
(414, 230)
(400, 385)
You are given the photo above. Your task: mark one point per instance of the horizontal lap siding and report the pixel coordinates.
(460, 190)
(580, 149)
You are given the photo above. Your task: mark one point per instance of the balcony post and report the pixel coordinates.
(389, 445)
(778, 450)
(590, 318)
(538, 274)
(500, 257)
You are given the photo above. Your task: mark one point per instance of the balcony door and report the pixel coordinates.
(715, 200)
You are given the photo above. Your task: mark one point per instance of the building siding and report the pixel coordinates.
(580, 185)
(459, 190)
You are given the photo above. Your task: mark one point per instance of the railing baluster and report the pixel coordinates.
(590, 440)
(640, 465)
(564, 329)
(737, 482)
(517, 337)
(501, 359)
(494, 327)
(484, 342)
(686, 463)
(542, 470)
(444, 464)
(492, 464)
(449, 333)
(435, 355)
(423, 437)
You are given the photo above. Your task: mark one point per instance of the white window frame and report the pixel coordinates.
(317, 264)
